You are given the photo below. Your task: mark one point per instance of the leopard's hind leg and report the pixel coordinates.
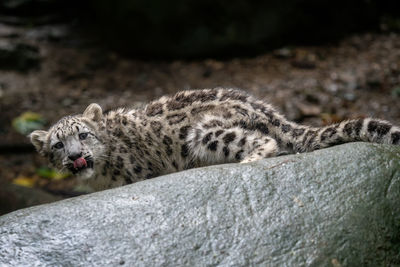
(264, 147)
(213, 142)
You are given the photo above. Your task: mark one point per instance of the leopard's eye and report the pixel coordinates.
(82, 136)
(59, 145)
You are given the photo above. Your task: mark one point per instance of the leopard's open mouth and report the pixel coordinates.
(81, 164)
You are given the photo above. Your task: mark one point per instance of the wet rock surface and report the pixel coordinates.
(337, 206)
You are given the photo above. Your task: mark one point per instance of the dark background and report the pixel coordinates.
(208, 28)
(318, 62)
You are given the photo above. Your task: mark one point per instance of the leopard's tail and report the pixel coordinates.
(294, 137)
(366, 130)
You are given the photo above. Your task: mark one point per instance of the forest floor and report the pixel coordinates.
(356, 77)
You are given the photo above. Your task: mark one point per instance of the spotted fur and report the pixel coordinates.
(190, 129)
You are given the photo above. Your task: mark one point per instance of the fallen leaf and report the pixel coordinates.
(51, 174)
(27, 122)
(24, 181)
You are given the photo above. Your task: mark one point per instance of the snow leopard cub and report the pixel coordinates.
(190, 129)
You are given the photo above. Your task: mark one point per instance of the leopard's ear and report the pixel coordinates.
(38, 139)
(93, 112)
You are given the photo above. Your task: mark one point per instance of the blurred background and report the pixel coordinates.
(318, 62)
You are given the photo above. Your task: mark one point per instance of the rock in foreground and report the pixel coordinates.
(338, 206)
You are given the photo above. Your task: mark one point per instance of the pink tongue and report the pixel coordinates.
(79, 163)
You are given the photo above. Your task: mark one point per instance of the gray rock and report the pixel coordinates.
(338, 206)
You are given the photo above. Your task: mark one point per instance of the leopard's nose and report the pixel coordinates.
(73, 157)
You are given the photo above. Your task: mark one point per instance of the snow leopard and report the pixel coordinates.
(192, 128)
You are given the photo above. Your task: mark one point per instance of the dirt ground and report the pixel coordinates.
(357, 77)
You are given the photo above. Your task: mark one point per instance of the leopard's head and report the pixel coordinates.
(72, 144)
